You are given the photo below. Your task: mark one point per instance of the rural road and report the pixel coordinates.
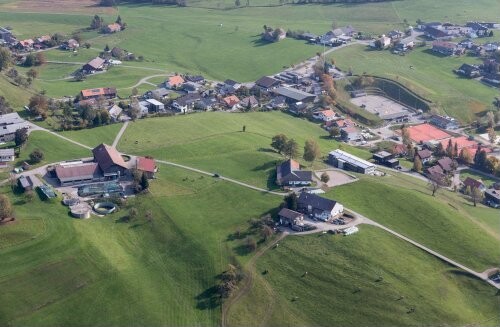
(120, 134)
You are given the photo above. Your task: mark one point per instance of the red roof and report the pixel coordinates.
(231, 100)
(425, 133)
(146, 164)
(104, 91)
(463, 142)
(175, 80)
(327, 113)
(115, 27)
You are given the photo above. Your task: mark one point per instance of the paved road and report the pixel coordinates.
(120, 134)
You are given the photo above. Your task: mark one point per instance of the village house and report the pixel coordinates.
(191, 87)
(437, 174)
(289, 174)
(472, 183)
(447, 48)
(174, 82)
(114, 112)
(186, 103)
(71, 45)
(492, 197)
(6, 156)
(278, 102)
(480, 29)
(105, 92)
(347, 161)
(147, 166)
(95, 65)
(9, 124)
(290, 218)
(469, 71)
(155, 105)
(195, 79)
(231, 102)
(112, 28)
(266, 83)
(350, 133)
(447, 164)
(425, 155)
(395, 35)
(325, 115)
(207, 103)
(318, 207)
(248, 102)
(296, 100)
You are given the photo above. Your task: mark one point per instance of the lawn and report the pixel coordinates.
(361, 280)
(94, 136)
(54, 148)
(405, 205)
(488, 181)
(103, 272)
(16, 96)
(214, 142)
(431, 76)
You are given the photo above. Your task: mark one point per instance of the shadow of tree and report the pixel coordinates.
(208, 299)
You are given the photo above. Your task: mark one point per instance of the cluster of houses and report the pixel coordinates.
(333, 38)
(447, 31)
(349, 131)
(491, 195)
(487, 72)
(399, 41)
(38, 43)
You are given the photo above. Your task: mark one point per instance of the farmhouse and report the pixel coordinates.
(473, 183)
(290, 218)
(110, 161)
(78, 173)
(289, 174)
(344, 160)
(96, 64)
(106, 92)
(267, 83)
(147, 166)
(6, 155)
(112, 28)
(174, 82)
(425, 155)
(318, 207)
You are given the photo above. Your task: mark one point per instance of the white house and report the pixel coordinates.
(318, 207)
(6, 155)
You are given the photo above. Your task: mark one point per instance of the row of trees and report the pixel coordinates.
(290, 148)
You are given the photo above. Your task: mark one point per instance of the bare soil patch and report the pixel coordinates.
(58, 6)
(336, 177)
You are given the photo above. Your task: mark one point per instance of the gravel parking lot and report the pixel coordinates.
(336, 177)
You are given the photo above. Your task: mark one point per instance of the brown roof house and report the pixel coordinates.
(473, 183)
(289, 174)
(78, 173)
(290, 218)
(96, 64)
(110, 161)
(112, 28)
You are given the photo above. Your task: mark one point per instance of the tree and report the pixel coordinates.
(6, 210)
(135, 91)
(79, 76)
(434, 184)
(250, 244)
(32, 73)
(5, 58)
(21, 136)
(237, 3)
(244, 129)
(311, 150)
(475, 194)
(29, 196)
(325, 178)
(132, 214)
(480, 158)
(36, 156)
(465, 157)
(492, 135)
(30, 60)
(439, 151)
(266, 232)
(40, 59)
(417, 164)
(278, 142)
(335, 132)
(291, 201)
(449, 149)
(149, 216)
(118, 20)
(291, 149)
(106, 48)
(39, 104)
(144, 182)
(96, 23)
(405, 135)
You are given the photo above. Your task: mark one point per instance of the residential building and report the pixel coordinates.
(293, 96)
(195, 79)
(174, 82)
(6, 156)
(447, 164)
(9, 124)
(469, 71)
(350, 133)
(114, 112)
(325, 115)
(6, 35)
(106, 92)
(233, 84)
(385, 158)
(110, 161)
(289, 174)
(96, 64)
(248, 102)
(318, 207)
(424, 155)
(267, 83)
(447, 48)
(112, 28)
(289, 217)
(444, 122)
(473, 183)
(278, 102)
(347, 161)
(186, 103)
(155, 105)
(231, 101)
(492, 196)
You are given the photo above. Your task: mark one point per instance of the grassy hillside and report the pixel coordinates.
(214, 142)
(440, 222)
(361, 280)
(431, 76)
(16, 96)
(61, 271)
